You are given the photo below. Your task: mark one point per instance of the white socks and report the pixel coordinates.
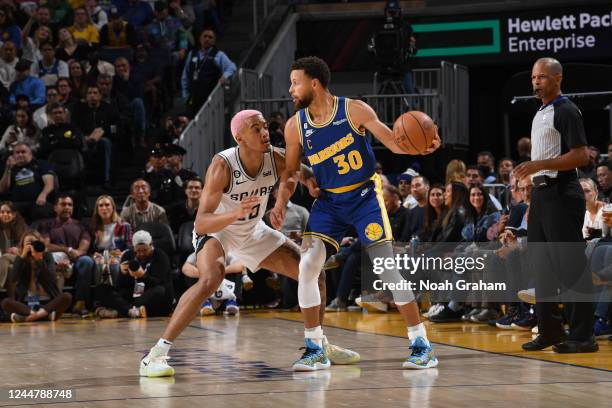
(315, 334)
(163, 346)
(417, 331)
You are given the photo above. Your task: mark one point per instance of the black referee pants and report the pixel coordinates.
(556, 215)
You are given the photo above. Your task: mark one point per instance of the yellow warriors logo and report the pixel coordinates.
(373, 231)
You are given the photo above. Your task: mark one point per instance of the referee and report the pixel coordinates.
(557, 211)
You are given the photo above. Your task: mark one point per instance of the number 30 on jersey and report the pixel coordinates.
(347, 162)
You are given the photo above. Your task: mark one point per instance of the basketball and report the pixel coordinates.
(414, 132)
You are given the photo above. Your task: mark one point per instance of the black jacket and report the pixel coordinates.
(157, 272)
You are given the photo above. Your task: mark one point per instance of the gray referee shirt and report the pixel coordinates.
(557, 128)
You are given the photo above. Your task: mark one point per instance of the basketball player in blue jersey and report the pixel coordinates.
(330, 132)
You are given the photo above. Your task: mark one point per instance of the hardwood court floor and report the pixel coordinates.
(244, 362)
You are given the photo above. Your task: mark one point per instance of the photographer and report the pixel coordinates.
(32, 291)
(144, 287)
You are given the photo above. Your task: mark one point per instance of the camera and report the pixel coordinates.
(133, 265)
(38, 246)
(391, 45)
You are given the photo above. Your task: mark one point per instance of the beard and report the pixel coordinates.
(303, 103)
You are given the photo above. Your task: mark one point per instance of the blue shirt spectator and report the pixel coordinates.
(28, 85)
(135, 12)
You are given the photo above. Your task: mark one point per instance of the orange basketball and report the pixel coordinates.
(414, 132)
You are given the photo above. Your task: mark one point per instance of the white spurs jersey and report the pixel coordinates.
(242, 186)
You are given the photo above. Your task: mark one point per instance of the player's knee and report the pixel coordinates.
(211, 278)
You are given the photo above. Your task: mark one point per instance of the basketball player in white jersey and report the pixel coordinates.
(237, 186)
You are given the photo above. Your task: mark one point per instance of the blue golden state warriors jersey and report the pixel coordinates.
(339, 154)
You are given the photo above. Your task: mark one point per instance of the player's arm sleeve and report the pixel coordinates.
(568, 121)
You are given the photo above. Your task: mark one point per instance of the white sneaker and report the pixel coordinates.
(155, 366)
(434, 310)
(535, 330)
(527, 296)
(137, 312)
(338, 355)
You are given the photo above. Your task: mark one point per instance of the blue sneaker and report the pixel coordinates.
(422, 355)
(602, 328)
(313, 358)
(231, 308)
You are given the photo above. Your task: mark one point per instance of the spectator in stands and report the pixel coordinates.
(486, 161)
(9, 31)
(605, 180)
(610, 151)
(117, 33)
(378, 168)
(28, 182)
(40, 117)
(178, 175)
(403, 184)
(456, 199)
(166, 32)
(434, 212)
(22, 102)
(144, 287)
(117, 100)
(156, 173)
(67, 236)
(12, 227)
(60, 133)
(142, 210)
(184, 13)
(111, 234)
(276, 128)
(96, 14)
(64, 89)
(78, 80)
(138, 13)
(132, 87)
(590, 169)
(23, 130)
(523, 148)
(419, 189)
(31, 45)
(41, 18)
(49, 69)
(151, 72)
(204, 68)
(83, 29)
(33, 293)
(94, 66)
(480, 216)
(98, 121)
(475, 177)
(455, 171)
(504, 168)
(60, 11)
(8, 61)
(398, 215)
(593, 217)
(187, 209)
(68, 48)
(28, 85)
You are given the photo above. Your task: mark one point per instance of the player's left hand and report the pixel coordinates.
(526, 169)
(435, 143)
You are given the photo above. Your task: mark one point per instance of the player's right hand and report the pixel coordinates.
(277, 216)
(247, 205)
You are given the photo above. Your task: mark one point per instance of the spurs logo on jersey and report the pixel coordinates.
(242, 186)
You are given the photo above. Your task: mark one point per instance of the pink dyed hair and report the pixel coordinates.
(240, 118)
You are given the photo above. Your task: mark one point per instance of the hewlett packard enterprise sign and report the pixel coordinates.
(569, 33)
